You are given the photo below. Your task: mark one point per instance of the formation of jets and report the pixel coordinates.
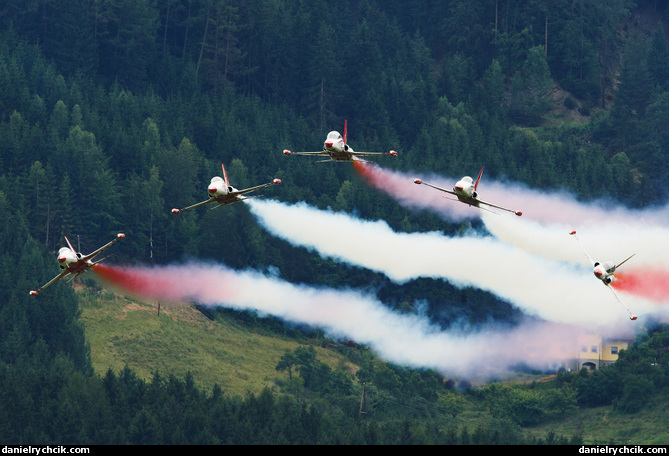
(336, 147)
(220, 193)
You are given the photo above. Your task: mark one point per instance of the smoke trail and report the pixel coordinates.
(408, 340)
(400, 186)
(649, 283)
(559, 207)
(610, 231)
(603, 241)
(173, 283)
(551, 290)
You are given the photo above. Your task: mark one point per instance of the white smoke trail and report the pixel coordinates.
(610, 230)
(551, 290)
(604, 241)
(407, 340)
(549, 207)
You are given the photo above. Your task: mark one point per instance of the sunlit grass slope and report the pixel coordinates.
(124, 331)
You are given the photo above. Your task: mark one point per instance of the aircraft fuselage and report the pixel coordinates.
(465, 192)
(336, 148)
(465, 187)
(604, 271)
(69, 260)
(217, 187)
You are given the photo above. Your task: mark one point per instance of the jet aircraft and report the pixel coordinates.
(336, 147)
(605, 272)
(73, 262)
(466, 192)
(221, 192)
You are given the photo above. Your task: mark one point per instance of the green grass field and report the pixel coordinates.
(124, 331)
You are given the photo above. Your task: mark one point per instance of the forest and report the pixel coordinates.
(113, 112)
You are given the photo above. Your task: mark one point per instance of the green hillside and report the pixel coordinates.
(123, 331)
(241, 358)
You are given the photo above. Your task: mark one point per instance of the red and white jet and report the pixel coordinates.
(221, 192)
(605, 272)
(466, 191)
(73, 262)
(337, 148)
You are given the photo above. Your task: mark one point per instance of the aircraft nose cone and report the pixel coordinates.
(61, 259)
(212, 189)
(459, 188)
(598, 272)
(328, 143)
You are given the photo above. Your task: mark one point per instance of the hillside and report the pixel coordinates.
(241, 359)
(123, 331)
(603, 425)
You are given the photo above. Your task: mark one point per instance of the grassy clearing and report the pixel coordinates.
(125, 331)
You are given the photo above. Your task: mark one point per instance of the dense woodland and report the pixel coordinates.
(113, 112)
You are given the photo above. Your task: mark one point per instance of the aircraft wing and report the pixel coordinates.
(321, 152)
(573, 233)
(364, 154)
(253, 189)
(103, 248)
(55, 279)
(418, 181)
(632, 316)
(518, 213)
(201, 203)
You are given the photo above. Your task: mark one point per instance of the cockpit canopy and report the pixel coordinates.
(334, 135)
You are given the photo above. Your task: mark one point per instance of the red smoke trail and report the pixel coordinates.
(401, 187)
(365, 172)
(547, 207)
(406, 339)
(133, 280)
(651, 284)
(172, 283)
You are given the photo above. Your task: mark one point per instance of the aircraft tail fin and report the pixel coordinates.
(345, 132)
(478, 179)
(70, 245)
(625, 260)
(225, 176)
